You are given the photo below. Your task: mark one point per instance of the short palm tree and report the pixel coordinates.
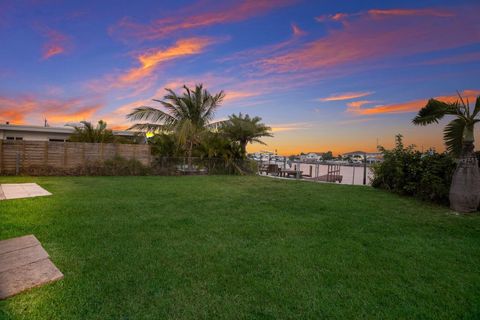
(187, 116)
(86, 132)
(460, 130)
(244, 130)
(459, 137)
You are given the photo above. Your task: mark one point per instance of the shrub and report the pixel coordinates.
(117, 166)
(406, 171)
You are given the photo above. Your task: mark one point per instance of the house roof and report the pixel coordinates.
(65, 129)
(14, 127)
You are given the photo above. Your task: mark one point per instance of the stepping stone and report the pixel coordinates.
(24, 264)
(26, 277)
(22, 190)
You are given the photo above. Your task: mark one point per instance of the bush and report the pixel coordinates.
(117, 166)
(405, 171)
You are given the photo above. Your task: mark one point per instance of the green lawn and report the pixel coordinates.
(242, 248)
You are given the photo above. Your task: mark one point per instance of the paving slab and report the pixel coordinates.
(24, 264)
(2, 196)
(22, 190)
(21, 257)
(18, 243)
(28, 276)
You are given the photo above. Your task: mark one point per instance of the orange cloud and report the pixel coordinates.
(150, 60)
(410, 12)
(165, 27)
(17, 109)
(358, 104)
(290, 126)
(378, 13)
(57, 42)
(367, 38)
(410, 106)
(346, 96)
(231, 95)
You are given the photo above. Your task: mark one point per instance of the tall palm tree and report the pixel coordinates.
(459, 137)
(186, 115)
(246, 130)
(88, 133)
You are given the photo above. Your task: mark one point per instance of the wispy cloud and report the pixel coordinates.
(282, 127)
(198, 18)
(56, 42)
(346, 96)
(141, 78)
(18, 109)
(409, 106)
(381, 13)
(366, 38)
(150, 60)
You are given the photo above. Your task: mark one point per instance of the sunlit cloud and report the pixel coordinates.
(379, 13)
(231, 95)
(359, 103)
(346, 96)
(197, 18)
(150, 60)
(56, 42)
(367, 38)
(410, 106)
(410, 12)
(17, 110)
(297, 32)
(282, 127)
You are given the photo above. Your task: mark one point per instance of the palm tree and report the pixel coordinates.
(88, 133)
(459, 137)
(187, 116)
(244, 130)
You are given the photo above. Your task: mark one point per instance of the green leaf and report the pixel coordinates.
(453, 136)
(434, 111)
(477, 107)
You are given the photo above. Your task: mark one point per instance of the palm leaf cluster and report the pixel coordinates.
(86, 132)
(459, 130)
(186, 115)
(190, 118)
(246, 129)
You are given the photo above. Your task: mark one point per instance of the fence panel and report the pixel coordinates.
(17, 156)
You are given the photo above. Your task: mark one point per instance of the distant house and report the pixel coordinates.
(311, 157)
(39, 133)
(359, 156)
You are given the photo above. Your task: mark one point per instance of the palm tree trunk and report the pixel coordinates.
(465, 188)
(189, 159)
(243, 145)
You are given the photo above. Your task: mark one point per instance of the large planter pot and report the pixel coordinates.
(465, 189)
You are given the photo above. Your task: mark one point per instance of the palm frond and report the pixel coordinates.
(149, 127)
(476, 110)
(434, 111)
(453, 136)
(151, 114)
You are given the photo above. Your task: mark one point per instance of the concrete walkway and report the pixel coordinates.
(21, 190)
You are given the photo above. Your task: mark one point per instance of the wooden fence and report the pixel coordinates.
(17, 156)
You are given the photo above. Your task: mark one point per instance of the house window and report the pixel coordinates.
(56, 140)
(14, 138)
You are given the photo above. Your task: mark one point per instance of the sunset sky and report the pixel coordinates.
(325, 75)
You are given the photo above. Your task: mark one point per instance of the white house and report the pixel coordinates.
(311, 157)
(359, 156)
(39, 133)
